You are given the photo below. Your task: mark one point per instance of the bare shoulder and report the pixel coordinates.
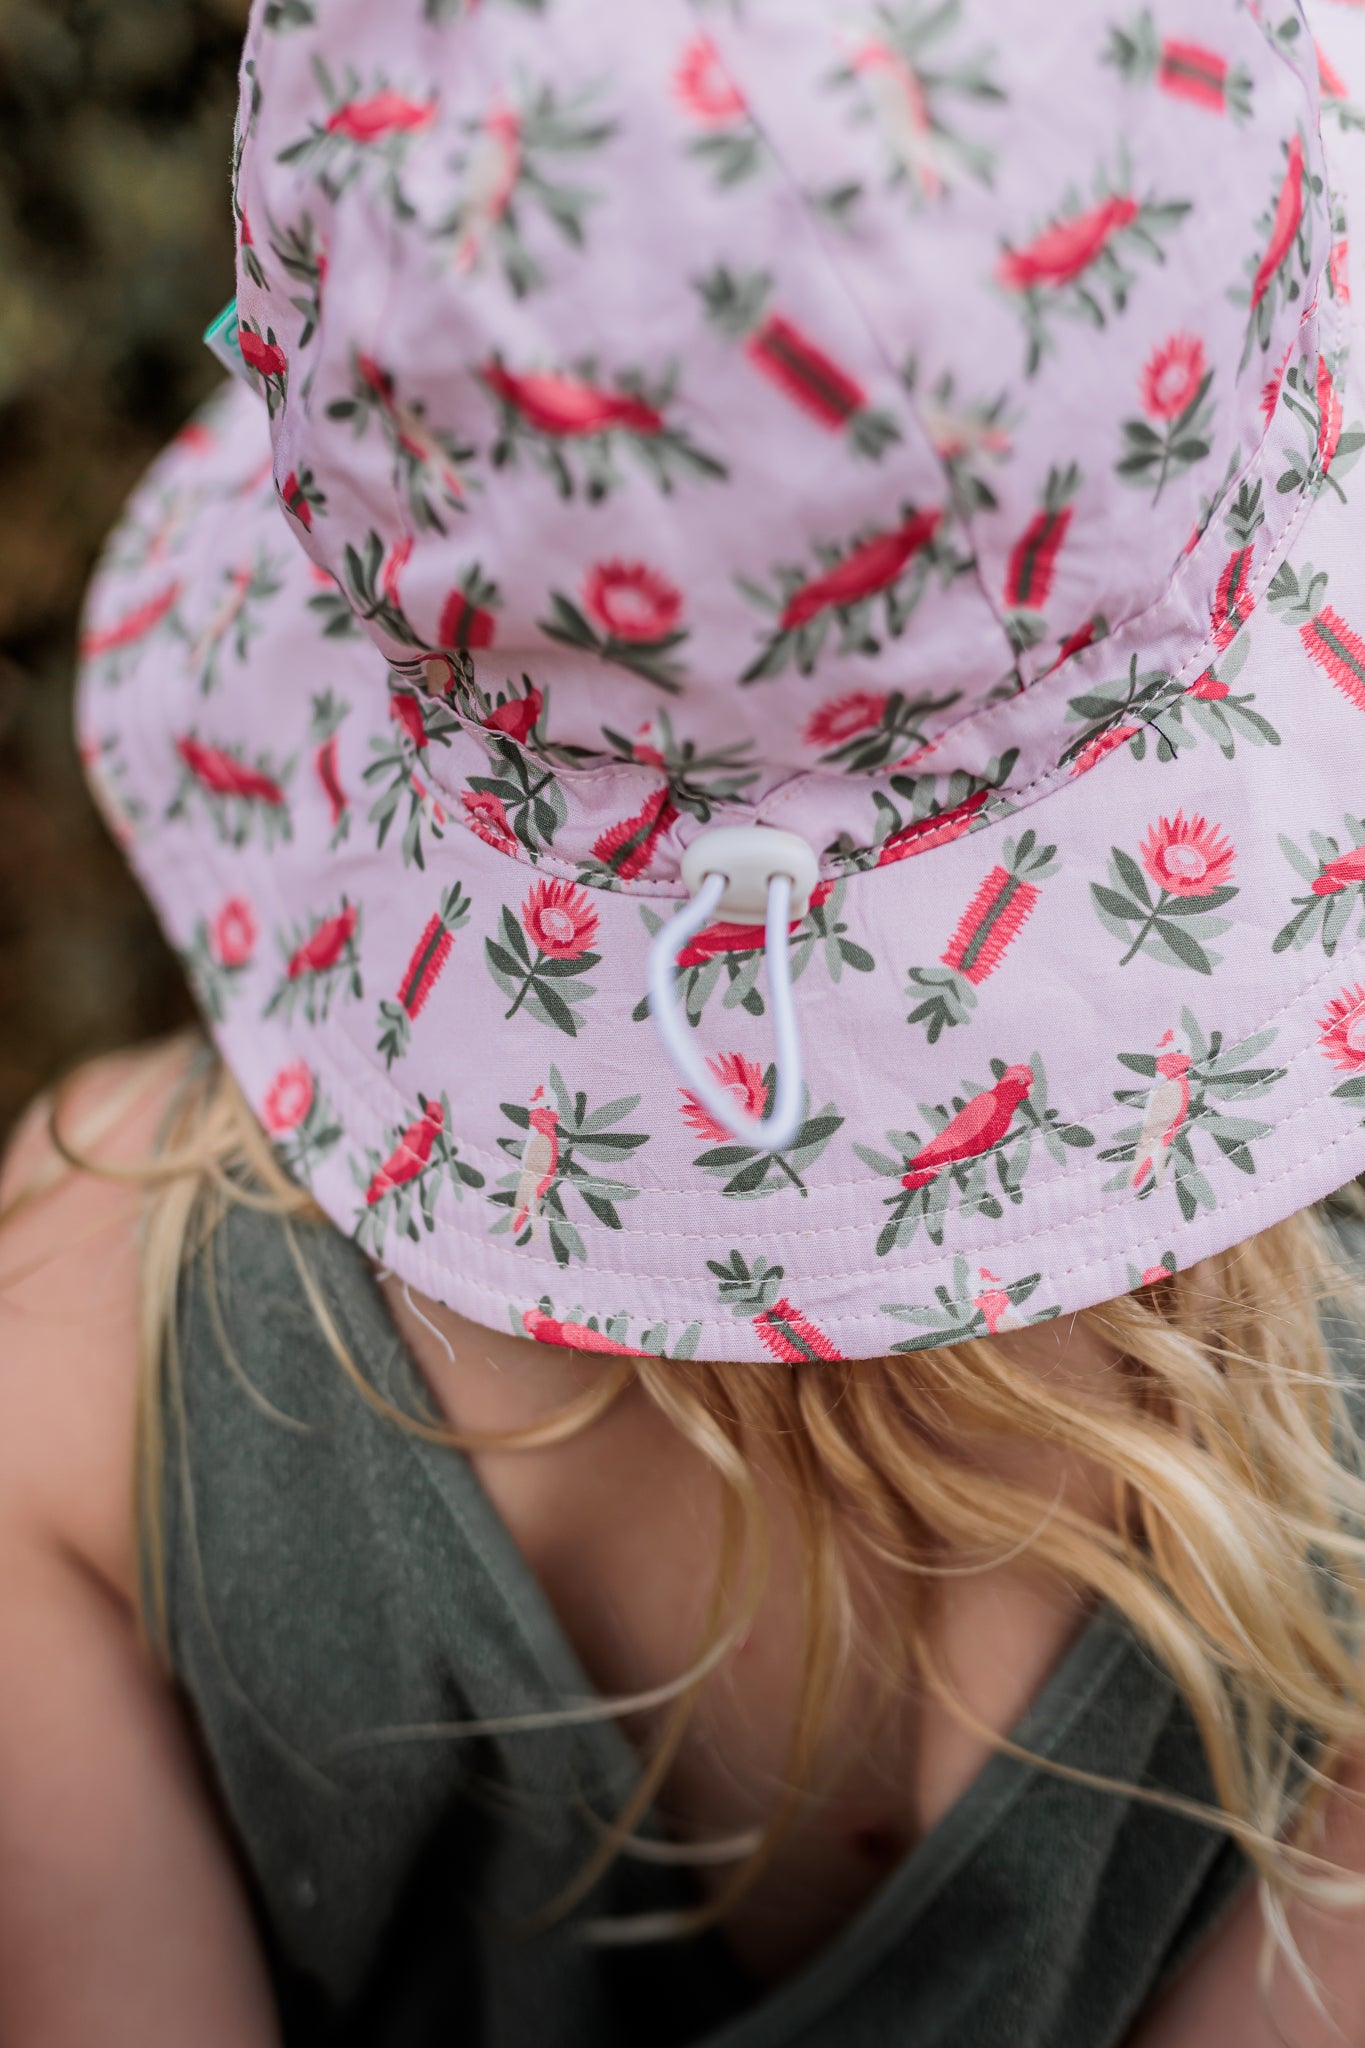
(69, 1302)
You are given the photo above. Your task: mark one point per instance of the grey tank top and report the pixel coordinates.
(340, 1593)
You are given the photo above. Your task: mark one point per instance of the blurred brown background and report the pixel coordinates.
(115, 252)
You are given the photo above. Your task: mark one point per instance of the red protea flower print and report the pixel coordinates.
(488, 818)
(1329, 415)
(703, 87)
(791, 1337)
(517, 717)
(1152, 1276)
(288, 1099)
(324, 947)
(295, 501)
(552, 403)
(1339, 270)
(260, 354)
(921, 834)
(1285, 226)
(559, 918)
(1062, 252)
(630, 601)
(222, 775)
(843, 718)
(234, 933)
(1190, 72)
(1341, 1031)
(1341, 873)
(981, 1123)
(803, 372)
(1338, 651)
(573, 1336)
(870, 567)
(989, 925)
(423, 972)
(1187, 857)
(1233, 602)
(628, 848)
(1102, 744)
(134, 625)
(329, 775)
(410, 1156)
(383, 113)
(1172, 375)
(407, 712)
(463, 624)
(743, 1079)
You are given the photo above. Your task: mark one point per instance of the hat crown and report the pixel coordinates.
(827, 391)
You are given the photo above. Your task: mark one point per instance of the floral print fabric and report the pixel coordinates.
(931, 431)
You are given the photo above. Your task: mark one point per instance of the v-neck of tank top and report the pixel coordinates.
(1079, 1676)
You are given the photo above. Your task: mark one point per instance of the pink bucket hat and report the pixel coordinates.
(925, 431)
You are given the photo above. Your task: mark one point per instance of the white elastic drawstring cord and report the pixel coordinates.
(779, 1127)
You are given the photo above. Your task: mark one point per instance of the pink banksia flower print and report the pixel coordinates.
(1033, 558)
(289, 1098)
(989, 925)
(631, 601)
(1187, 857)
(1172, 376)
(703, 87)
(234, 933)
(627, 849)
(558, 917)
(1338, 651)
(1341, 1030)
(429, 957)
(1233, 600)
(744, 1081)
(1329, 415)
(463, 624)
(1189, 71)
(791, 1337)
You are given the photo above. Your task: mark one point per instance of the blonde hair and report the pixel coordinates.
(1235, 1463)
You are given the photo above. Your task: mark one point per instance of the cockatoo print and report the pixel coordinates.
(539, 1161)
(494, 169)
(898, 101)
(1167, 1107)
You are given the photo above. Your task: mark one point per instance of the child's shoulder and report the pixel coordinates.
(70, 1272)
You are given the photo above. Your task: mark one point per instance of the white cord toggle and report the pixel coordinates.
(740, 869)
